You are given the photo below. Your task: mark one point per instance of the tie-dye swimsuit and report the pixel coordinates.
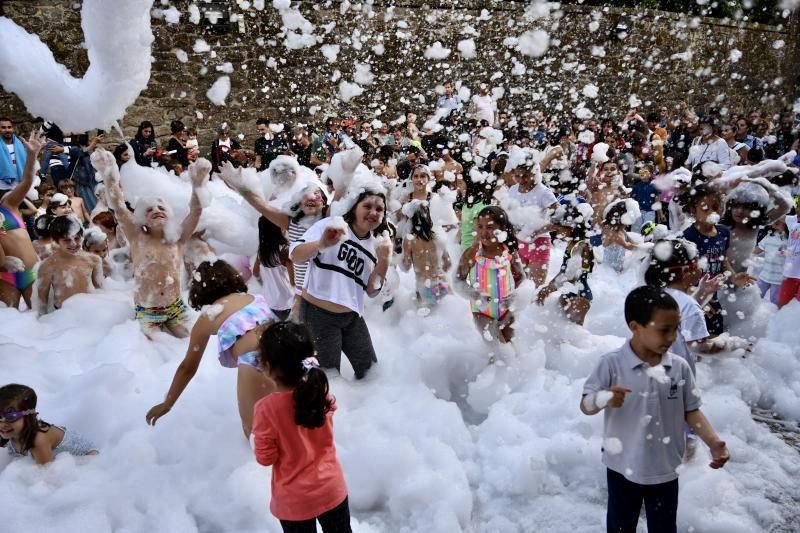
(245, 319)
(493, 277)
(20, 280)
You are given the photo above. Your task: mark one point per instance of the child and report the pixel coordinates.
(108, 224)
(642, 381)
(423, 249)
(273, 268)
(674, 268)
(293, 433)
(491, 269)
(70, 270)
(530, 193)
(67, 188)
(790, 287)
(95, 242)
(22, 431)
(44, 244)
(578, 262)
(712, 240)
(618, 216)
(59, 205)
(156, 245)
(646, 195)
(237, 319)
(773, 247)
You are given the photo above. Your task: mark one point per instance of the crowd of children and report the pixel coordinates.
(502, 193)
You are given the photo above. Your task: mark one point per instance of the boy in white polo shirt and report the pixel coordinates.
(651, 393)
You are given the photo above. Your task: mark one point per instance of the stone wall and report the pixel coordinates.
(665, 59)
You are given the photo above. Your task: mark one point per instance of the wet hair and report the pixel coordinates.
(139, 135)
(614, 215)
(283, 347)
(175, 126)
(63, 185)
(664, 269)
(642, 302)
(41, 226)
(212, 281)
(63, 227)
(272, 244)
(692, 198)
(500, 218)
(105, 219)
(14, 397)
(350, 216)
(421, 223)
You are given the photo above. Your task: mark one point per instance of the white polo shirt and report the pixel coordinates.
(644, 439)
(340, 273)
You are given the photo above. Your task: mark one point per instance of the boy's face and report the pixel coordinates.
(658, 335)
(71, 245)
(100, 250)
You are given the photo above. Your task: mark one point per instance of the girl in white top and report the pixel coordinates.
(483, 105)
(346, 261)
(773, 248)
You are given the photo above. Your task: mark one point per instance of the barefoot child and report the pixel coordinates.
(293, 433)
(70, 270)
(67, 188)
(423, 249)
(156, 244)
(491, 269)
(642, 381)
(22, 432)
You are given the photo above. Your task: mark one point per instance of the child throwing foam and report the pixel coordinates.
(293, 433)
(491, 269)
(22, 432)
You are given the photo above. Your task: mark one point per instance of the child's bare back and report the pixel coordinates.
(68, 274)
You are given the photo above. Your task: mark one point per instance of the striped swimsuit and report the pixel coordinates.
(493, 277)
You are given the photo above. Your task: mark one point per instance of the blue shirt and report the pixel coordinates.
(645, 194)
(712, 249)
(454, 102)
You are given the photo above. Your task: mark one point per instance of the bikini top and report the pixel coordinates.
(248, 317)
(11, 220)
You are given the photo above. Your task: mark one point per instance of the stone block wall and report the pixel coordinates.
(664, 59)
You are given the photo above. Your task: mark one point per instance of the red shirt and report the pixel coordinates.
(307, 479)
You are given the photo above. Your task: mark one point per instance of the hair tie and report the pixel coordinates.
(309, 363)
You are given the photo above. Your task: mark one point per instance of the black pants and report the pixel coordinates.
(625, 501)
(337, 520)
(335, 333)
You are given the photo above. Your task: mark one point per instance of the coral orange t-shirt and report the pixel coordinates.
(307, 479)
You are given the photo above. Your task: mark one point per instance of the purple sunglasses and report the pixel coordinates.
(13, 416)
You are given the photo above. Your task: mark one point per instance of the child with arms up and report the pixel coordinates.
(157, 245)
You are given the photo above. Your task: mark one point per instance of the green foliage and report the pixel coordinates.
(762, 11)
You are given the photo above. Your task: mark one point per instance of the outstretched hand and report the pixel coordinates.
(102, 161)
(199, 171)
(330, 237)
(157, 412)
(35, 143)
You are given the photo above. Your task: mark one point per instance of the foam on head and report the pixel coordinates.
(94, 236)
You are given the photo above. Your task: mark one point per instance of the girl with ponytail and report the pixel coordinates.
(293, 433)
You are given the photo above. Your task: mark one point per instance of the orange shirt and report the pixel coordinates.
(307, 479)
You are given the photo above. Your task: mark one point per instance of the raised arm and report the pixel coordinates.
(32, 148)
(104, 162)
(198, 340)
(233, 177)
(198, 172)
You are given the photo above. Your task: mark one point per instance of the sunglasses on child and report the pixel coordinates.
(12, 416)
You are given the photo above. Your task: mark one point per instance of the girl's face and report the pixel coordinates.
(486, 230)
(10, 430)
(741, 213)
(420, 180)
(65, 209)
(705, 208)
(369, 213)
(146, 132)
(727, 133)
(313, 203)
(100, 250)
(779, 226)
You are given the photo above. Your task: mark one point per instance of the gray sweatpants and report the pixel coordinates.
(334, 333)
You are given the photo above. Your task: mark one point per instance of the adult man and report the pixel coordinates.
(449, 100)
(268, 146)
(308, 150)
(12, 156)
(784, 139)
